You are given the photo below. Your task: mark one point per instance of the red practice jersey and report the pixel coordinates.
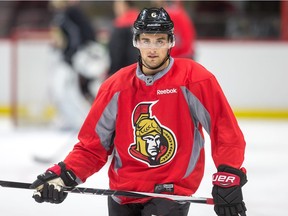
(152, 125)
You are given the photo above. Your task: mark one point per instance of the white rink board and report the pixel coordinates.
(252, 74)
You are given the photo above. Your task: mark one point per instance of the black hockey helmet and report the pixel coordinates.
(153, 20)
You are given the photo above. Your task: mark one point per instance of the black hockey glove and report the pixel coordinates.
(227, 192)
(49, 184)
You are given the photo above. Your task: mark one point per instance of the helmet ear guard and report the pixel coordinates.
(172, 40)
(135, 38)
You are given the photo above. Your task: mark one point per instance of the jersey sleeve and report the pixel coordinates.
(216, 116)
(95, 144)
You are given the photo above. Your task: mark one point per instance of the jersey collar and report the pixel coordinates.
(150, 79)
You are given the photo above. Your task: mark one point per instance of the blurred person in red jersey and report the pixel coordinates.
(121, 50)
(184, 30)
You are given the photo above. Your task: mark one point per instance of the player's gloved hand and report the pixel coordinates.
(227, 192)
(49, 184)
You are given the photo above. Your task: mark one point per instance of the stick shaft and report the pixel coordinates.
(107, 192)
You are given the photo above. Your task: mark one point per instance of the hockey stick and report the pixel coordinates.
(107, 192)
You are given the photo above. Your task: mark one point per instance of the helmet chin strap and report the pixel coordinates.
(153, 68)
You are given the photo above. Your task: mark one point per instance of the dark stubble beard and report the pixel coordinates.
(145, 64)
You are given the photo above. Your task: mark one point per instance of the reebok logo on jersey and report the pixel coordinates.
(167, 91)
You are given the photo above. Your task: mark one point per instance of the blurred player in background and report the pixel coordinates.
(79, 63)
(184, 30)
(121, 50)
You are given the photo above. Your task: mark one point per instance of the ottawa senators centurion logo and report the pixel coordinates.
(154, 144)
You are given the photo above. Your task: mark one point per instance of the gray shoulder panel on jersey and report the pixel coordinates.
(118, 162)
(197, 110)
(106, 125)
(198, 114)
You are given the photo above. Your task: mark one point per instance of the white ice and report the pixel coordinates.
(265, 194)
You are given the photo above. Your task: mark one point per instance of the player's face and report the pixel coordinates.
(153, 49)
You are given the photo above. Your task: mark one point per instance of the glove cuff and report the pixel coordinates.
(68, 177)
(233, 172)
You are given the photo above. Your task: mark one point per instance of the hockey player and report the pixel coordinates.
(79, 63)
(150, 116)
(185, 37)
(121, 50)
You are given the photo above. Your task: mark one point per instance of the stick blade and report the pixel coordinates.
(43, 160)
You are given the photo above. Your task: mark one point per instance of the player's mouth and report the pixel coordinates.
(153, 56)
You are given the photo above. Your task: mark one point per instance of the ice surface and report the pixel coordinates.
(266, 161)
